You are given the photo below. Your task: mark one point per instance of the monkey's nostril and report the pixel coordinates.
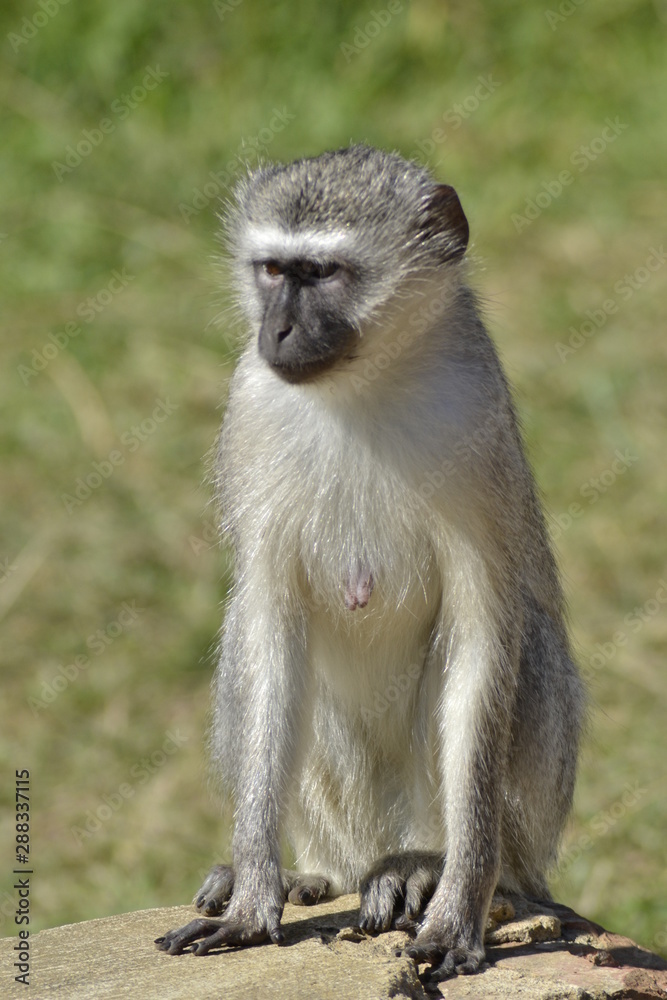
(283, 334)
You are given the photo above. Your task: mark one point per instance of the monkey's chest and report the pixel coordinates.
(360, 535)
(372, 589)
(365, 558)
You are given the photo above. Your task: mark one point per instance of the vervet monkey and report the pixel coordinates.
(395, 688)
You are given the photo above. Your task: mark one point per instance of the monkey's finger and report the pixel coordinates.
(377, 918)
(371, 924)
(414, 897)
(228, 934)
(419, 888)
(221, 937)
(276, 935)
(405, 923)
(175, 942)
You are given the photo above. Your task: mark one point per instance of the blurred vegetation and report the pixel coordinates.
(127, 578)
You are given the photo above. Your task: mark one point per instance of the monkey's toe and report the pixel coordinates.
(216, 890)
(305, 890)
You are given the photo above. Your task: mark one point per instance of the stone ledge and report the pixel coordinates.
(536, 952)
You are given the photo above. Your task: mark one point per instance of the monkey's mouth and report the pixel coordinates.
(303, 368)
(305, 372)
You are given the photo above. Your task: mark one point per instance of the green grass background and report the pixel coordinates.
(144, 535)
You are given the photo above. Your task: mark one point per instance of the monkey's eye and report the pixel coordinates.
(272, 269)
(327, 270)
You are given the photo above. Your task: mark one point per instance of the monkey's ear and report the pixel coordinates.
(445, 217)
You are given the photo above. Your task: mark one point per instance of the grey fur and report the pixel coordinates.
(395, 675)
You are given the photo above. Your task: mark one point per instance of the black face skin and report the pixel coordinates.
(304, 331)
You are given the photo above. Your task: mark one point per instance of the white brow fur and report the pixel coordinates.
(267, 242)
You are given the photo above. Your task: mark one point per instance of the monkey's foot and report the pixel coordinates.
(215, 893)
(358, 588)
(398, 882)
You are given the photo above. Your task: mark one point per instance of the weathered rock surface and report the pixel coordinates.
(535, 952)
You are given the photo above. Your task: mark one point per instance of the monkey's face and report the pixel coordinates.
(305, 304)
(325, 248)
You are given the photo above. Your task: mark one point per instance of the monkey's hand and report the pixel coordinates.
(409, 878)
(252, 916)
(449, 951)
(242, 925)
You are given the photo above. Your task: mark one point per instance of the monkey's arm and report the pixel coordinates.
(260, 675)
(474, 724)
